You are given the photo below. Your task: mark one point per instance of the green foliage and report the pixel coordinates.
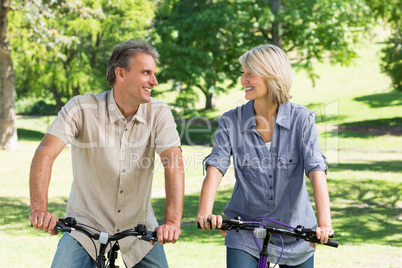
(35, 106)
(392, 59)
(201, 41)
(391, 12)
(61, 48)
(199, 45)
(314, 30)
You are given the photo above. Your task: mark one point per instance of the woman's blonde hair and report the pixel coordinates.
(271, 63)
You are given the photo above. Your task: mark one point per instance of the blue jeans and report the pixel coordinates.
(236, 258)
(70, 254)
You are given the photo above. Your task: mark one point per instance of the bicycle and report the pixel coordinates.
(262, 231)
(140, 231)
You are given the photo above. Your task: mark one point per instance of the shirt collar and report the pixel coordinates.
(113, 109)
(283, 117)
(248, 119)
(115, 113)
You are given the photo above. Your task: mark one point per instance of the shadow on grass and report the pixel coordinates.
(29, 135)
(190, 231)
(366, 211)
(14, 213)
(382, 166)
(383, 122)
(368, 129)
(382, 99)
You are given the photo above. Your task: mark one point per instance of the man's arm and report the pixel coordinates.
(172, 161)
(39, 179)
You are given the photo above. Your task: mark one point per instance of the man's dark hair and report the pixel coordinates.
(123, 54)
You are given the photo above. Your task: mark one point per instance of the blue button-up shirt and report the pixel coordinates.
(269, 180)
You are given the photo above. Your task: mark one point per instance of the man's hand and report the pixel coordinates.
(44, 220)
(167, 234)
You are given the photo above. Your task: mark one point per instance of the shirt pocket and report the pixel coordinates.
(248, 166)
(288, 163)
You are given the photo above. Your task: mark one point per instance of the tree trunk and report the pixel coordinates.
(210, 101)
(57, 98)
(8, 128)
(276, 25)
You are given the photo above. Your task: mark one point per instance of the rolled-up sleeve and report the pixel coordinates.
(166, 133)
(313, 158)
(66, 125)
(221, 151)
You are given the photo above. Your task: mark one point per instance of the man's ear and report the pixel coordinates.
(119, 72)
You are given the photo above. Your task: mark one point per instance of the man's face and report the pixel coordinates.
(140, 79)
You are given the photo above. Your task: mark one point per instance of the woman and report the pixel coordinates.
(273, 143)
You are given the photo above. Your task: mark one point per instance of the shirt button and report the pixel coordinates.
(125, 129)
(123, 171)
(271, 198)
(270, 187)
(121, 191)
(118, 230)
(119, 211)
(290, 160)
(270, 176)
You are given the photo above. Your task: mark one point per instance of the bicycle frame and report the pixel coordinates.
(263, 261)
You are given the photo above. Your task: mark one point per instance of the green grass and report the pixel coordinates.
(365, 176)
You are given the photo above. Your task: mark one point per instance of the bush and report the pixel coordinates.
(31, 106)
(392, 60)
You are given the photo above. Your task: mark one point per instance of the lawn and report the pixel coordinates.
(365, 177)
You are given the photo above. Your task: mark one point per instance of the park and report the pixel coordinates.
(358, 117)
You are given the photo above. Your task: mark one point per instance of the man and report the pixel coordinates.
(114, 136)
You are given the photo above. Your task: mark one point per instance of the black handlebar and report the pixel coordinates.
(306, 234)
(140, 231)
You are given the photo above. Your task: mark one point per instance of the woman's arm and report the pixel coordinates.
(321, 199)
(207, 199)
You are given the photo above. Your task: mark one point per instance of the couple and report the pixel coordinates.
(112, 132)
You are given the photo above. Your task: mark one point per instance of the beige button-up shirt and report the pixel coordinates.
(113, 164)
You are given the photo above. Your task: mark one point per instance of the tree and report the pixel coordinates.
(62, 47)
(199, 46)
(202, 40)
(392, 59)
(312, 29)
(390, 12)
(8, 129)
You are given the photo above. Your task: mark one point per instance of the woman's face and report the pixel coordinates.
(255, 86)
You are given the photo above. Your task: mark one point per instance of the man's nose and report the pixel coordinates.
(154, 81)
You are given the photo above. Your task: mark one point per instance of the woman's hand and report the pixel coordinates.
(323, 233)
(208, 222)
